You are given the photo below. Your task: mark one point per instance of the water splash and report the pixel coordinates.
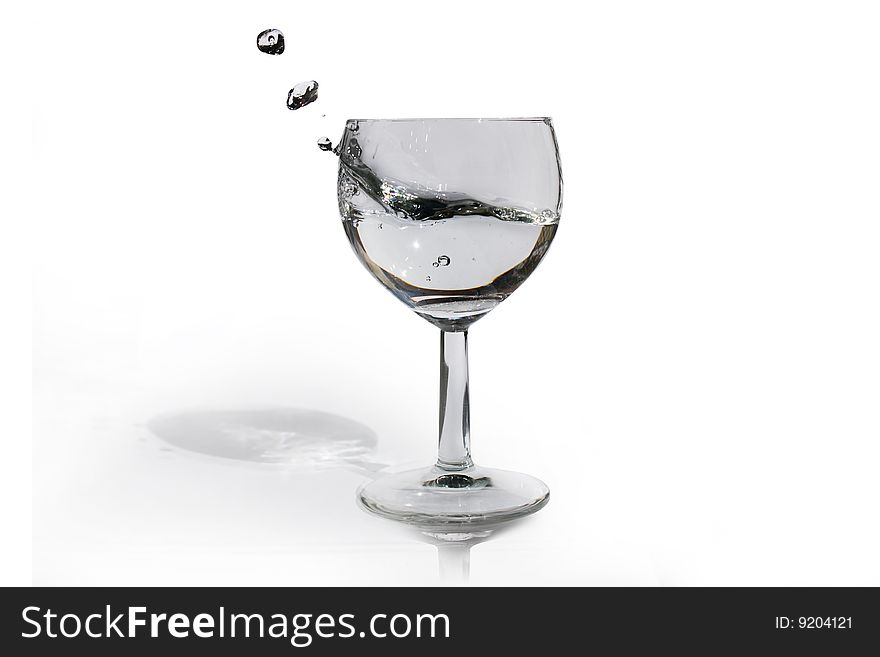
(302, 94)
(354, 149)
(271, 41)
(413, 204)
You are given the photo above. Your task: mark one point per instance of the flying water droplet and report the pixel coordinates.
(271, 42)
(302, 94)
(442, 261)
(325, 144)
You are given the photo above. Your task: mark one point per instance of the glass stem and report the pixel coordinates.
(455, 412)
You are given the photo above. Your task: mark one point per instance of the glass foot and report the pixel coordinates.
(455, 503)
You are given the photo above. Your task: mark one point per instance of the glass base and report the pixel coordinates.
(459, 502)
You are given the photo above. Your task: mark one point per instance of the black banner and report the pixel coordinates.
(113, 621)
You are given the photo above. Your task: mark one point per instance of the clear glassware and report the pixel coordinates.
(451, 216)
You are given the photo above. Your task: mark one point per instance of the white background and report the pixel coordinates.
(694, 369)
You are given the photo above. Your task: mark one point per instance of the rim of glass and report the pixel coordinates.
(527, 119)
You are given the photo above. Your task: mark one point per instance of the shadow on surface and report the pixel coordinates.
(305, 440)
(300, 438)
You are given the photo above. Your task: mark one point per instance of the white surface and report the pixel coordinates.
(16, 172)
(693, 370)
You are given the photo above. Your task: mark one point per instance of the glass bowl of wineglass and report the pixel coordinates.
(451, 216)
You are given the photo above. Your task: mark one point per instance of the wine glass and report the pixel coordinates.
(451, 216)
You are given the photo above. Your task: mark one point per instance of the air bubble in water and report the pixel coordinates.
(549, 216)
(325, 144)
(428, 278)
(442, 261)
(271, 42)
(348, 186)
(302, 94)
